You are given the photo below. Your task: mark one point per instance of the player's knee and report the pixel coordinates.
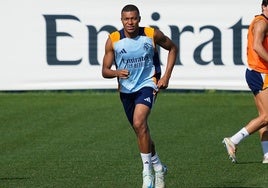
(140, 128)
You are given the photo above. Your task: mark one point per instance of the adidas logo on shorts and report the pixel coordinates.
(148, 99)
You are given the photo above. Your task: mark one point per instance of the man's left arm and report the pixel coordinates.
(165, 42)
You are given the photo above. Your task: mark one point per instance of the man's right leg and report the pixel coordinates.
(141, 129)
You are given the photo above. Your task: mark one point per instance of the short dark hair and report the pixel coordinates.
(130, 7)
(264, 2)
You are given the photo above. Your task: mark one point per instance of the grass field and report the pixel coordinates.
(82, 139)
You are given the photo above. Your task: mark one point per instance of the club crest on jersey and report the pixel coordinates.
(147, 46)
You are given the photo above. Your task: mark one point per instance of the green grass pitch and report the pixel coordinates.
(82, 139)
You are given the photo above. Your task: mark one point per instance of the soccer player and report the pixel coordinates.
(134, 51)
(257, 79)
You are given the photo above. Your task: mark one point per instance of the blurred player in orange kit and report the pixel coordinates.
(257, 79)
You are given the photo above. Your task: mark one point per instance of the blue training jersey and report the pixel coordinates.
(139, 56)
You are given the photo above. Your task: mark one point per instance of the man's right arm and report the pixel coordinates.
(108, 60)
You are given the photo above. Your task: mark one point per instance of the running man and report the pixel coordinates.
(134, 51)
(257, 79)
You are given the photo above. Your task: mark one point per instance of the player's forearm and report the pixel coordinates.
(170, 62)
(109, 73)
(262, 53)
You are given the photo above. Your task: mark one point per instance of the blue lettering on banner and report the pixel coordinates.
(176, 34)
(51, 40)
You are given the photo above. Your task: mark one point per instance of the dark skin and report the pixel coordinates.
(130, 21)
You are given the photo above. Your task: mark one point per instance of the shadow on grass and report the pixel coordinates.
(230, 187)
(248, 162)
(14, 178)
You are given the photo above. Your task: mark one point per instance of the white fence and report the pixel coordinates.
(59, 44)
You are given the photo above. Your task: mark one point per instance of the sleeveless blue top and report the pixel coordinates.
(139, 56)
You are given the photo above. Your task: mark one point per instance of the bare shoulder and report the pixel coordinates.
(109, 44)
(160, 37)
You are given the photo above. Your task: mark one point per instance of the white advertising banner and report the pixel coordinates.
(59, 44)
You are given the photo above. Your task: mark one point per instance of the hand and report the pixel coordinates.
(122, 73)
(162, 83)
